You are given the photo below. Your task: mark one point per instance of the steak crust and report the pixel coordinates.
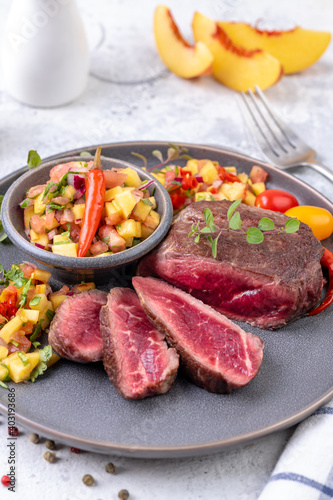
(267, 285)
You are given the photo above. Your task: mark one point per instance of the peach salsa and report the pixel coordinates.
(84, 211)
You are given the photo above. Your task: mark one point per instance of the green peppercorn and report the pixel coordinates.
(88, 480)
(110, 468)
(49, 456)
(34, 438)
(50, 444)
(123, 495)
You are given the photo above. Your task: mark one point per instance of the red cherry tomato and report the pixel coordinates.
(276, 200)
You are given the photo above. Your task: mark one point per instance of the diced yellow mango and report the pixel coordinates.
(126, 203)
(153, 219)
(34, 236)
(146, 231)
(112, 210)
(41, 239)
(78, 211)
(249, 199)
(132, 179)
(258, 187)
(129, 241)
(66, 250)
(243, 177)
(11, 327)
(233, 170)
(69, 192)
(3, 352)
(53, 359)
(44, 316)
(83, 287)
(60, 237)
(26, 315)
(41, 275)
(204, 196)
(20, 370)
(41, 304)
(111, 193)
(233, 191)
(209, 172)
(142, 210)
(28, 213)
(152, 200)
(56, 300)
(191, 166)
(130, 228)
(41, 288)
(39, 207)
(160, 177)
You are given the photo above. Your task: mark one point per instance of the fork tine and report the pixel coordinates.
(258, 132)
(288, 134)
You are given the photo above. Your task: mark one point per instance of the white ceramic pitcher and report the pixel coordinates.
(44, 52)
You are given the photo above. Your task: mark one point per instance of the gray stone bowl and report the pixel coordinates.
(75, 269)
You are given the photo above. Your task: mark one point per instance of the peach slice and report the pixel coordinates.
(235, 66)
(183, 59)
(296, 49)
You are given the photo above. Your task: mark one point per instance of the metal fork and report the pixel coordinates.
(278, 141)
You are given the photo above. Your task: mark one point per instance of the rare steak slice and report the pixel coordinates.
(215, 353)
(267, 284)
(135, 355)
(75, 329)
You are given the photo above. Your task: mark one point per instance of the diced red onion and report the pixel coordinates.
(58, 214)
(80, 193)
(27, 232)
(70, 293)
(79, 181)
(217, 184)
(52, 233)
(70, 179)
(178, 179)
(199, 178)
(39, 246)
(80, 201)
(144, 186)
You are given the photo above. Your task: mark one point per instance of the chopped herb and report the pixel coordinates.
(33, 159)
(35, 301)
(211, 197)
(106, 239)
(23, 358)
(25, 203)
(3, 385)
(36, 344)
(176, 183)
(50, 314)
(44, 356)
(56, 206)
(62, 242)
(24, 293)
(16, 344)
(146, 201)
(136, 241)
(37, 331)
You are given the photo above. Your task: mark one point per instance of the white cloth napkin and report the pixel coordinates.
(305, 468)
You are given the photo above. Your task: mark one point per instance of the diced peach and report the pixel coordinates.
(258, 174)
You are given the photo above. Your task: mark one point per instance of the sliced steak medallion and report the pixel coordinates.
(216, 354)
(267, 284)
(135, 355)
(75, 329)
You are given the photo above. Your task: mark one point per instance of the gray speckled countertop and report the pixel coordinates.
(163, 108)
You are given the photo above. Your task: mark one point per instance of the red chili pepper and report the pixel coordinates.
(326, 261)
(95, 193)
(189, 182)
(8, 307)
(227, 176)
(177, 201)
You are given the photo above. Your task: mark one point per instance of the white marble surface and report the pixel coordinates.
(167, 108)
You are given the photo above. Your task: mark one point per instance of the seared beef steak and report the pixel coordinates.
(267, 285)
(135, 354)
(216, 354)
(75, 329)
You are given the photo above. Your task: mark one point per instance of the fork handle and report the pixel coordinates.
(319, 167)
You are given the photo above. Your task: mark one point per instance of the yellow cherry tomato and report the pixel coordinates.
(318, 219)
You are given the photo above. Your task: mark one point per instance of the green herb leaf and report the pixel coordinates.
(146, 201)
(266, 224)
(214, 247)
(25, 203)
(254, 236)
(197, 238)
(44, 356)
(211, 197)
(136, 241)
(24, 293)
(35, 344)
(205, 230)
(233, 207)
(16, 344)
(3, 385)
(172, 154)
(35, 301)
(292, 225)
(33, 159)
(158, 155)
(37, 331)
(85, 153)
(106, 239)
(208, 216)
(235, 221)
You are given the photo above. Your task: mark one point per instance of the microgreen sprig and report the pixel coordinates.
(174, 152)
(254, 235)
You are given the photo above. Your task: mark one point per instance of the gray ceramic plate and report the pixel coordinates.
(77, 405)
